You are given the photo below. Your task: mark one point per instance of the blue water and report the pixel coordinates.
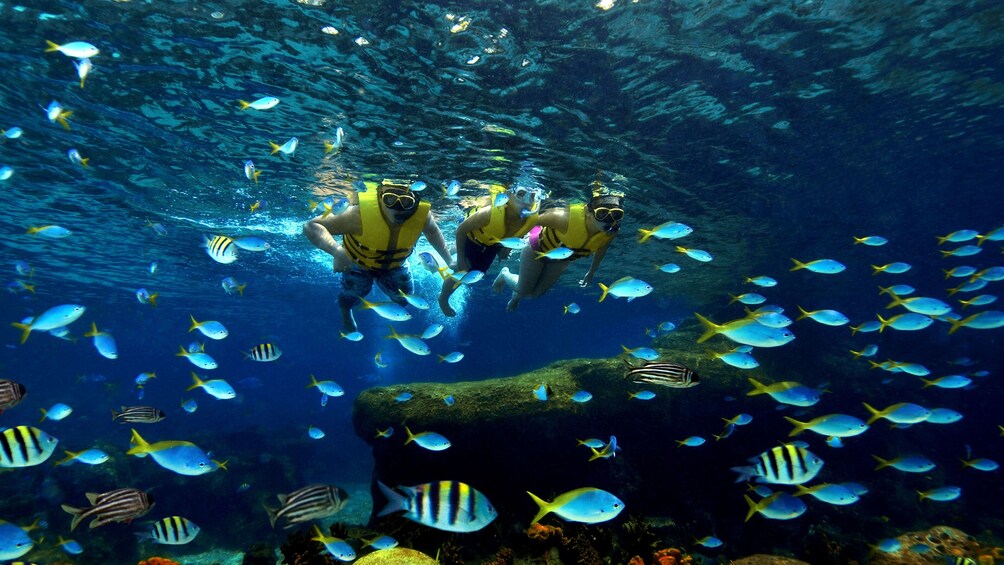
(776, 130)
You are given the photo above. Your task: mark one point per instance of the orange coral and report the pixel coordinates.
(158, 561)
(541, 532)
(636, 561)
(671, 556)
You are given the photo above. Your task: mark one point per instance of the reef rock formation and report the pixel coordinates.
(505, 441)
(933, 546)
(396, 556)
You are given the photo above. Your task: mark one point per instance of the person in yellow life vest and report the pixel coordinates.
(583, 230)
(378, 234)
(479, 237)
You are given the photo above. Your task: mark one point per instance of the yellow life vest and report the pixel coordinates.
(382, 247)
(495, 229)
(576, 238)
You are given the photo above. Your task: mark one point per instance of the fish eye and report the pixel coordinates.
(202, 464)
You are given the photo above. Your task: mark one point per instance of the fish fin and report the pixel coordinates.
(411, 436)
(545, 507)
(882, 463)
(799, 426)
(244, 104)
(710, 328)
(395, 500)
(803, 314)
(76, 513)
(876, 269)
(749, 501)
(275, 147)
(273, 513)
(798, 265)
(758, 387)
(51, 46)
(195, 323)
(153, 299)
(197, 382)
(25, 330)
(800, 490)
(605, 290)
(876, 414)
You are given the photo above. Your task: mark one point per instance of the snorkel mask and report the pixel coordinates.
(530, 198)
(607, 206)
(399, 198)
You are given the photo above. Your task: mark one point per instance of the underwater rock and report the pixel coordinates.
(396, 556)
(761, 559)
(933, 546)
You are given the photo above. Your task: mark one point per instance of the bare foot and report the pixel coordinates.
(444, 305)
(499, 283)
(513, 303)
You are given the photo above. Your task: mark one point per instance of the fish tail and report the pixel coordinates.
(946, 253)
(799, 426)
(876, 269)
(441, 357)
(411, 436)
(153, 299)
(275, 147)
(93, 331)
(920, 494)
(596, 455)
(77, 514)
(876, 414)
(645, 234)
(752, 507)
(605, 290)
(896, 301)
(62, 119)
(855, 330)
(25, 330)
(51, 46)
(70, 456)
(710, 328)
(882, 323)
(856, 354)
(196, 381)
(882, 463)
(240, 289)
(255, 175)
(139, 444)
(948, 273)
(244, 104)
(956, 324)
(545, 507)
(313, 381)
(395, 500)
(732, 299)
(927, 383)
(858, 240)
(195, 324)
(798, 266)
(44, 414)
(758, 387)
(273, 514)
(953, 291)
(942, 240)
(803, 314)
(801, 490)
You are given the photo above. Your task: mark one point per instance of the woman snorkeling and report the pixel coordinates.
(583, 230)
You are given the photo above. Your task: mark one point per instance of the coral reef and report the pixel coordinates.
(301, 549)
(158, 561)
(540, 532)
(761, 559)
(942, 541)
(396, 556)
(671, 556)
(259, 554)
(505, 556)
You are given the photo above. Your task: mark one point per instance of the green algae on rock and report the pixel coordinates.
(396, 556)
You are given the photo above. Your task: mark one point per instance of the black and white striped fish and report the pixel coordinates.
(11, 394)
(221, 248)
(445, 505)
(264, 352)
(138, 415)
(309, 503)
(25, 446)
(664, 374)
(173, 530)
(119, 505)
(785, 464)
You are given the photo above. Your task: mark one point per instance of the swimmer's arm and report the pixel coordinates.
(595, 265)
(321, 229)
(436, 239)
(555, 218)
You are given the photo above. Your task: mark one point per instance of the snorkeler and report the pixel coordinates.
(378, 235)
(479, 237)
(584, 229)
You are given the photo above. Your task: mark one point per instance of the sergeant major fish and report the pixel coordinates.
(309, 503)
(450, 506)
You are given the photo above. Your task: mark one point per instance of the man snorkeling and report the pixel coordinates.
(480, 235)
(378, 234)
(584, 229)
